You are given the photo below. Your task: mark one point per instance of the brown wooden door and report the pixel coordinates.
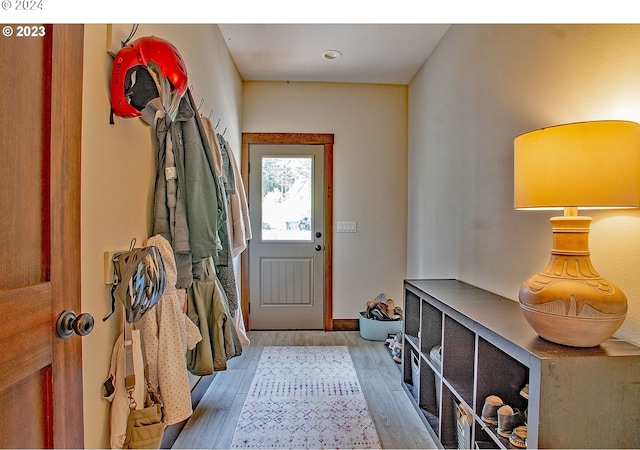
(40, 116)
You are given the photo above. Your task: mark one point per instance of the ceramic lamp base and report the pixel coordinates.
(571, 331)
(568, 302)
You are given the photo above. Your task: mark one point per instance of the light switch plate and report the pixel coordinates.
(347, 227)
(108, 267)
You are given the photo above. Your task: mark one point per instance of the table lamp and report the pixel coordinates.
(588, 165)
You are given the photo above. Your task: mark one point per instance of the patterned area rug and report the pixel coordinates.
(305, 397)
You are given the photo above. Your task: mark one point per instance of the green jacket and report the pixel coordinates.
(190, 216)
(207, 307)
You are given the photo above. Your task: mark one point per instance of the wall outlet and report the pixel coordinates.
(347, 227)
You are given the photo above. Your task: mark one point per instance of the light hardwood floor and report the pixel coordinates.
(214, 420)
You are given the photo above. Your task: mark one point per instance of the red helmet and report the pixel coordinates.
(135, 56)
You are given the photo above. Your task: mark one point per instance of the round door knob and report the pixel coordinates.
(318, 247)
(68, 323)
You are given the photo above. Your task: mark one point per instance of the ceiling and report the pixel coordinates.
(377, 53)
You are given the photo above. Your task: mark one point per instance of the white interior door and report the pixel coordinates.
(286, 253)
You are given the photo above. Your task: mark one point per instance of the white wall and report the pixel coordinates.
(118, 173)
(370, 167)
(483, 86)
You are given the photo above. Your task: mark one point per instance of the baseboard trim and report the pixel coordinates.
(172, 432)
(346, 325)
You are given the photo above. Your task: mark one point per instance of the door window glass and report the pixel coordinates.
(287, 190)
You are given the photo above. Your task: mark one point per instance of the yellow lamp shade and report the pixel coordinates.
(584, 164)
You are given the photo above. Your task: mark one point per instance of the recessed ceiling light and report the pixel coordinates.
(331, 54)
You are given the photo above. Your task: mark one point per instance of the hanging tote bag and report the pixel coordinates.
(115, 391)
(145, 426)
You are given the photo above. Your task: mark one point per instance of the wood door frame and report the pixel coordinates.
(249, 139)
(66, 116)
